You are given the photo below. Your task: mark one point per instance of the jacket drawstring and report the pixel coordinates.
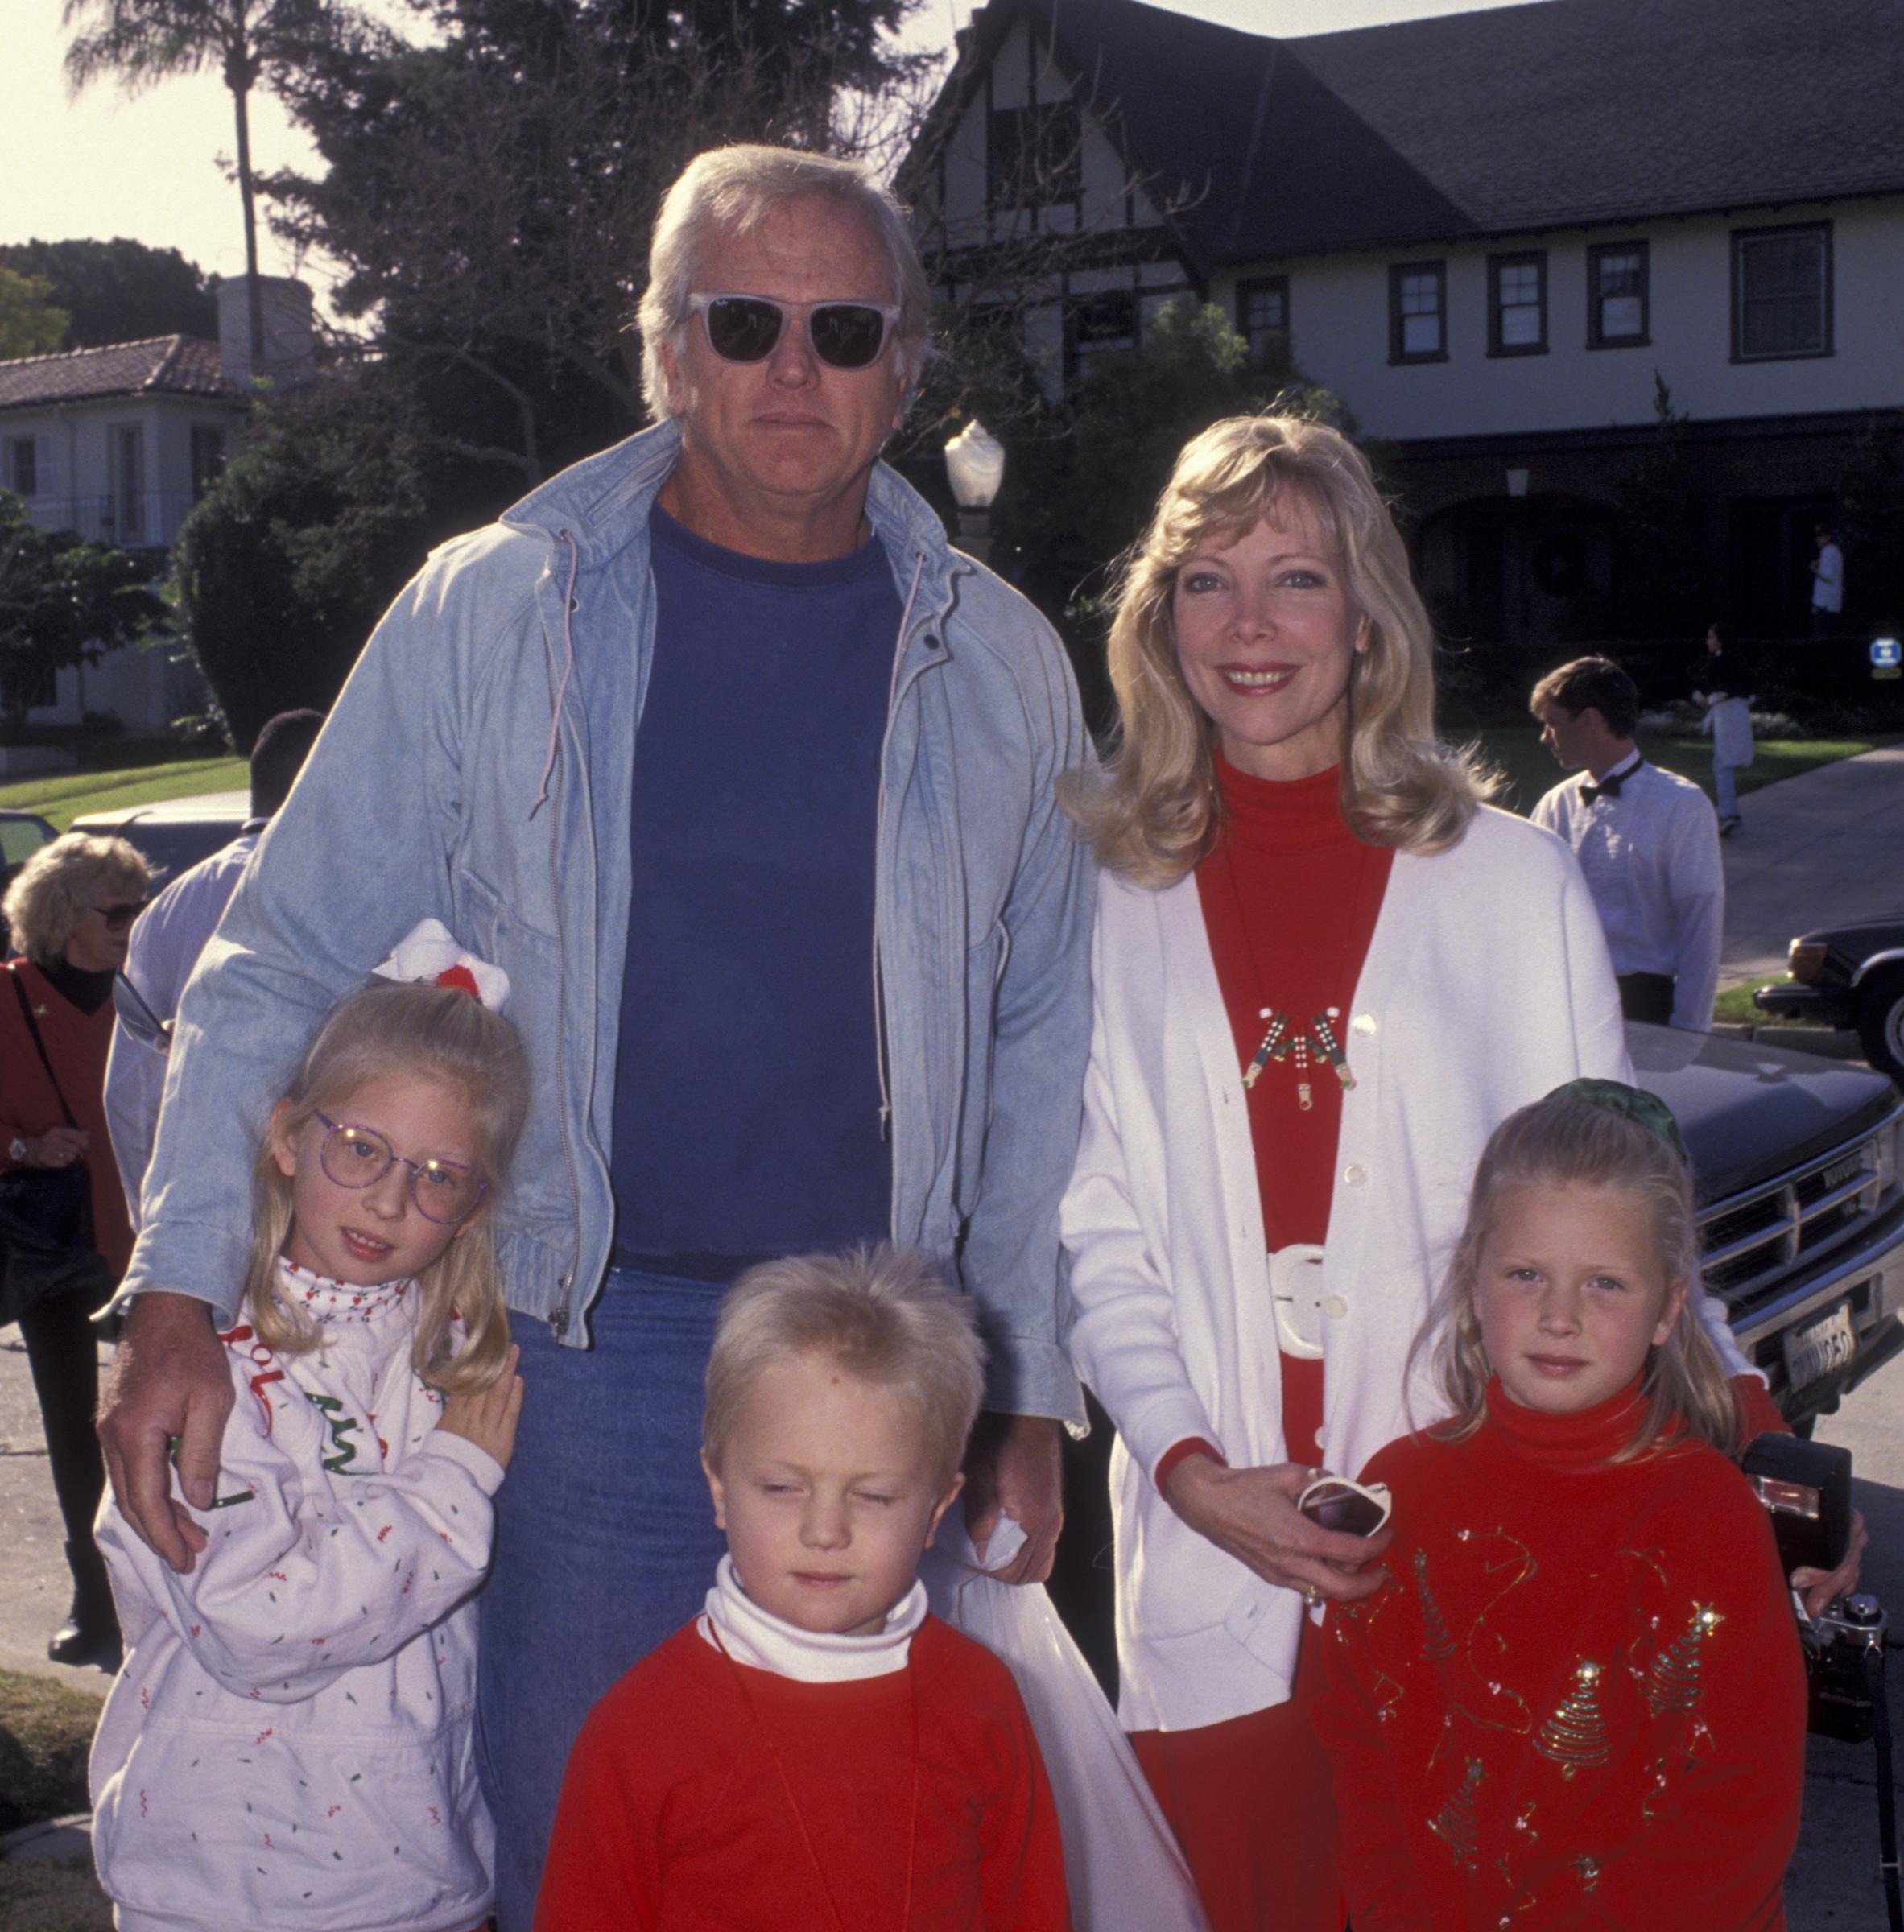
(892, 697)
(548, 764)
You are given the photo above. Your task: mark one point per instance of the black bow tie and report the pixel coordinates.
(1609, 787)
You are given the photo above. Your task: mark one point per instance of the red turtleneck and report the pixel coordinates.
(1289, 897)
(1580, 1698)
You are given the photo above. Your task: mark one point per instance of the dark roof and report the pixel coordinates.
(1561, 113)
(168, 365)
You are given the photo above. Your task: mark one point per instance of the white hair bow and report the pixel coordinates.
(429, 952)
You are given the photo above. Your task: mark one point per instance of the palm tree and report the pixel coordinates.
(147, 41)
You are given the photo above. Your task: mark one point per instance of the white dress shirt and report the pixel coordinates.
(1651, 860)
(166, 939)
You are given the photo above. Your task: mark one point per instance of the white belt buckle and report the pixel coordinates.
(1295, 1292)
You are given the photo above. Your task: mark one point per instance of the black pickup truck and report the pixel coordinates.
(1796, 1159)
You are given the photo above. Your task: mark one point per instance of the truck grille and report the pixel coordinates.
(1754, 1244)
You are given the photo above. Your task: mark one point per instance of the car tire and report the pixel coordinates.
(1880, 1020)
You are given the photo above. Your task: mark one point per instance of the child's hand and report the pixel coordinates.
(489, 1419)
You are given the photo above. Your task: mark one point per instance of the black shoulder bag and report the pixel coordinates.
(46, 1217)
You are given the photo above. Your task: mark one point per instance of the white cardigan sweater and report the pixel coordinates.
(1487, 983)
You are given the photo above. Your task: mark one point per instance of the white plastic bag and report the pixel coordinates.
(1121, 1864)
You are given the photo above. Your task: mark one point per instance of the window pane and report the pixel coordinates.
(1520, 329)
(1621, 315)
(1781, 294)
(1421, 334)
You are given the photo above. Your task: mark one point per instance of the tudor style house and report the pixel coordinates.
(117, 443)
(1489, 233)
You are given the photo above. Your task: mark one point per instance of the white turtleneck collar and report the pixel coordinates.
(331, 1303)
(752, 1636)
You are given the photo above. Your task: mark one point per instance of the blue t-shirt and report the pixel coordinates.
(747, 1083)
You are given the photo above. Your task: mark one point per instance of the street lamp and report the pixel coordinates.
(975, 464)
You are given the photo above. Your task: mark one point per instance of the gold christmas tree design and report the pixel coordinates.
(1438, 1644)
(1575, 1736)
(1455, 1826)
(1675, 1679)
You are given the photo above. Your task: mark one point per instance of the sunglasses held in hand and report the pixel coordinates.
(1333, 1502)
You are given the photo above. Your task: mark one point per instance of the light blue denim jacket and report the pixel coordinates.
(476, 768)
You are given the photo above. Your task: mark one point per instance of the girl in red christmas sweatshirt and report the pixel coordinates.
(1578, 1700)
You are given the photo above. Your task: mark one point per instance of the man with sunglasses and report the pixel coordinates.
(749, 781)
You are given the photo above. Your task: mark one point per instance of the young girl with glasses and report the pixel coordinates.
(1578, 1700)
(291, 1741)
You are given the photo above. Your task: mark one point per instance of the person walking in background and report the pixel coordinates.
(1646, 839)
(1727, 695)
(1827, 582)
(71, 911)
(166, 942)
(715, 743)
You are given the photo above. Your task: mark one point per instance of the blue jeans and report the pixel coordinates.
(1728, 792)
(605, 1544)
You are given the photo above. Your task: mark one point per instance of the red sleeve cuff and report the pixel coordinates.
(1758, 1413)
(1190, 1445)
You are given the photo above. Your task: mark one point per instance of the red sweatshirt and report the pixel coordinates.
(1579, 1701)
(676, 1817)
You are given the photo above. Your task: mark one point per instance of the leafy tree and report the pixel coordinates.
(281, 572)
(489, 193)
(1664, 587)
(63, 601)
(119, 291)
(29, 324)
(144, 41)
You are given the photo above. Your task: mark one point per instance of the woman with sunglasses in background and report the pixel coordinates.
(1325, 971)
(71, 912)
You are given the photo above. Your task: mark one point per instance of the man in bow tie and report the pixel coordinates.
(1646, 839)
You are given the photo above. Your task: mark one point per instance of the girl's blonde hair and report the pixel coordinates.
(1152, 819)
(1568, 1140)
(426, 1033)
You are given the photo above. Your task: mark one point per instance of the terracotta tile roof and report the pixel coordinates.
(168, 365)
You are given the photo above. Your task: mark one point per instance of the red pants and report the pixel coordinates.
(1250, 1803)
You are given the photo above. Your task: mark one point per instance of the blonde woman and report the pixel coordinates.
(71, 911)
(1325, 971)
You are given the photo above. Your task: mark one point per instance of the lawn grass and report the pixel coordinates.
(1530, 770)
(63, 796)
(49, 1896)
(46, 1730)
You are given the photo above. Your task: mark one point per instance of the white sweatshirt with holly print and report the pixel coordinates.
(290, 1744)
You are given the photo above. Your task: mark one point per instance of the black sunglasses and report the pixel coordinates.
(118, 918)
(844, 335)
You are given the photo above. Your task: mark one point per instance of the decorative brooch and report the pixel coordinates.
(1279, 1044)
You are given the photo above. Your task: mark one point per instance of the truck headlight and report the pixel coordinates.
(1806, 959)
(1885, 1145)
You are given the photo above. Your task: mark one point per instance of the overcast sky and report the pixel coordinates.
(156, 167)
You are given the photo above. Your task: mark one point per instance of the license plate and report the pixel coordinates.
(1820, 1347)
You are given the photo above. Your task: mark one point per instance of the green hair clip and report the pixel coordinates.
(1633, 1104)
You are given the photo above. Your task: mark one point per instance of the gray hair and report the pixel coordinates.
(738, 188)
(54, 891)
(880, 1312)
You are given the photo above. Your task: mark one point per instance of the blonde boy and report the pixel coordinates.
(815, 1749)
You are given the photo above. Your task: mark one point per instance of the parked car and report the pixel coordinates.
(22, 834)
(1801, 1212)
(175, 834)
(1849, 977)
